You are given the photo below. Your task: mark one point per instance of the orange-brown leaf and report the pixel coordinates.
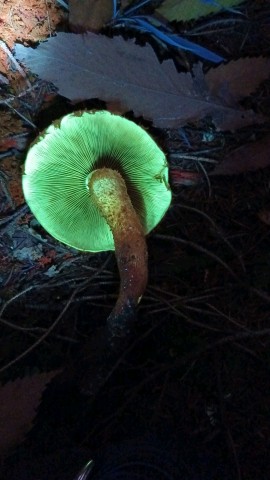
(19, 401)
(249, 157)
(114, 70)
(238, 78)
(89, 15)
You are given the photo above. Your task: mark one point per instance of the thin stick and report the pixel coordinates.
(45, 335)
(198, 247)
(14, 61)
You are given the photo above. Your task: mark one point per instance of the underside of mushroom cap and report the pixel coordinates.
(59, 165)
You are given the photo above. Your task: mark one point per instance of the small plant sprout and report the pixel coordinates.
(97, 181)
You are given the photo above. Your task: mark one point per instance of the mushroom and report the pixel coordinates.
(96, 182)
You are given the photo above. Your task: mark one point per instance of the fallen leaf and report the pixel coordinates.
(125, 3)
(89, 15)
(4, 80)
(185, 10)
(19, 401)
(114, 70)
(264, 216)
(246, 158)
(10, 123)
(28, 20)
(12, 179)
(229, 77)
(18, 141)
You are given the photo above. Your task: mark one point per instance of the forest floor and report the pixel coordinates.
(197, 374)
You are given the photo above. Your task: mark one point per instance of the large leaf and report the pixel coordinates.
(185, 10)
(240, 77)
(19, 401)
(89, 14)
(246, 158)
(114, 70)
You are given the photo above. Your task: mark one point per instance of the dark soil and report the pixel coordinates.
(194, 382)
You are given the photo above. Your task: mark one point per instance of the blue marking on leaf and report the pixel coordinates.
(174, 40)
(114, 9)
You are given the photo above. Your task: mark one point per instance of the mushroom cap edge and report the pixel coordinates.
(60, 161)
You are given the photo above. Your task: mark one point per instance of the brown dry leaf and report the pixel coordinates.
(249, 157)
(9, 123)
(11, 182)
(10, 170)
(114, 70)
(28, 20)
(264, 216)
(125, 3)
(19, 401)
(89, 15)
(239, 78)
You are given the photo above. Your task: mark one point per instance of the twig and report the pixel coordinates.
(14, 61)
(223, 414)
(215, 226)
(20, 114)
(42, 338)
(260, 293)
(12, 299)
(232, 445)
(200, 30)
(3, 180)
(63, 4)
(227, 317)
(190, 320)
(198, 247)
(48, 18)
(192, 157)
(181, 361)
(207, 178)
(14, 216)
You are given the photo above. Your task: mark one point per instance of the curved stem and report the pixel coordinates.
(112, 199)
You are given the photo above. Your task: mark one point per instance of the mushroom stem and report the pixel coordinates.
(111, 197)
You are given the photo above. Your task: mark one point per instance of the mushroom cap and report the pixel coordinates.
(58, 167)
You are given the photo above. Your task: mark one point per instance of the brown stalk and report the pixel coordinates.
(111, 197)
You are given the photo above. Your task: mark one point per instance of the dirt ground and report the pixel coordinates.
(194, 382)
